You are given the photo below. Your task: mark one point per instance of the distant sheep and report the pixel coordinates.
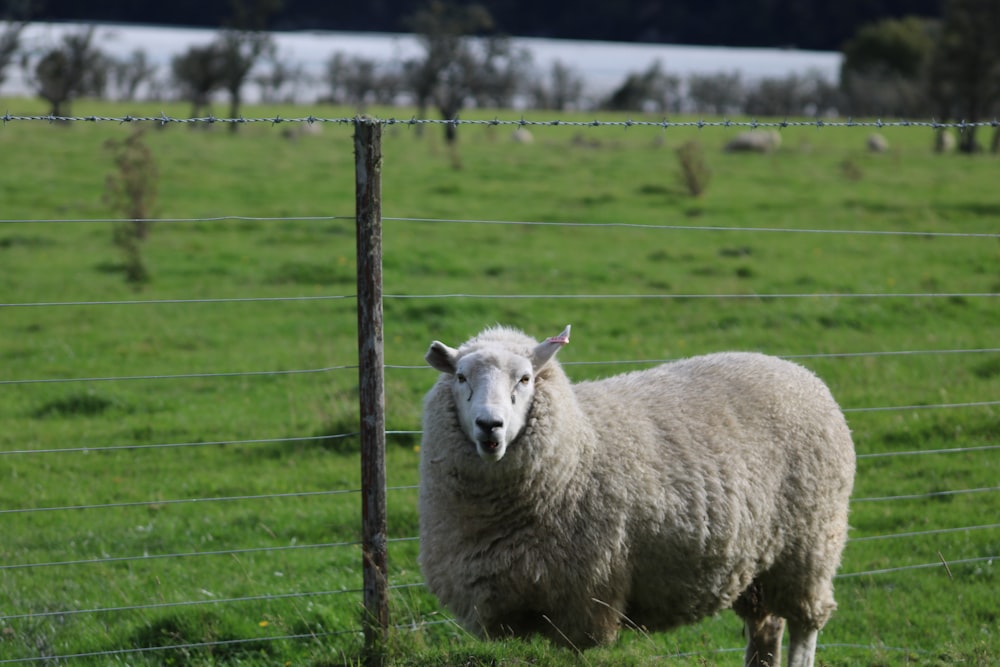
(877, 143)
(755, 141)
(522, 136)
(649, 499)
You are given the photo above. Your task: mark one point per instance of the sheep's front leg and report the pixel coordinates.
(763, 641)
(801, 646)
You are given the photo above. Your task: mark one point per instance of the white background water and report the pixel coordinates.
(602, 65)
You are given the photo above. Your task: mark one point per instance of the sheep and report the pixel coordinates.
(649, 499)
(756, 141)
(877, 143)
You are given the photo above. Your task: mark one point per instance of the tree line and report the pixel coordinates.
(911, 67)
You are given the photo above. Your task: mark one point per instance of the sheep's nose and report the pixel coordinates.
(488, 424)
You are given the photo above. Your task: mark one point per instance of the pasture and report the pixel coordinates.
(177, 480)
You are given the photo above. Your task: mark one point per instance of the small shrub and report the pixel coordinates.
(131, 190)
(695, 174)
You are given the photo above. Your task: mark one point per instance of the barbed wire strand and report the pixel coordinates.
(664, 124)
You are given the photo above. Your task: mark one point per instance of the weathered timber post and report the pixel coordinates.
(371, 372)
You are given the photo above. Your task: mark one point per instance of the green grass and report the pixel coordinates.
(820, 179)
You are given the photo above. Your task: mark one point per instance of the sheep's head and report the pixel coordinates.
(493, 388)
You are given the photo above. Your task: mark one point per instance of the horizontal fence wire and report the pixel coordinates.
(424, 367)
(664, 124)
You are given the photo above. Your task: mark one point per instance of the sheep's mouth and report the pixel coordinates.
(490, 450)
(489, 445)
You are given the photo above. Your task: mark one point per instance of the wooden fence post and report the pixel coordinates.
(371, 371)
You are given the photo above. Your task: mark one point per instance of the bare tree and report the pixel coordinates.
(801, 95)
(562, 91)
(72, 69)
(238, 52)
(720, 94)
(500, 73)
(653, 89)
(198, 73)
(130, 73)
(446, 73)
(10, 45)
(279, 81)
(241, 44)
(964, 76)
(15, 21)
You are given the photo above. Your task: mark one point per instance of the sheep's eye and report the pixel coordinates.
(525, 379)
(460, 378)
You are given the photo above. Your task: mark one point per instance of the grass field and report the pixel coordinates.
(207, 519)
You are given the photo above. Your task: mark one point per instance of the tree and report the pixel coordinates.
(719, 94)
(652, 90)
(885, 67)
(446, 75)
(964, 79)
(238, 53)
(799, 95)
(198, 72)
(130, 73)
(73, 69)
(14, 16)
(564, 89)
(280, 82)
(10, 45)
(241, 44)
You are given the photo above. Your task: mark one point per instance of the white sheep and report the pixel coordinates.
(755, 141)
(649, 499)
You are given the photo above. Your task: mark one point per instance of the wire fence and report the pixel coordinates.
(664, 124)
(14, 617)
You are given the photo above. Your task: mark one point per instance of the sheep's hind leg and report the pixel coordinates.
(801, 645)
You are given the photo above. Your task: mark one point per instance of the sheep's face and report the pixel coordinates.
(493, 389)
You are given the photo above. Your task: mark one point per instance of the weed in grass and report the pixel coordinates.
(131, 190)
(695, 174)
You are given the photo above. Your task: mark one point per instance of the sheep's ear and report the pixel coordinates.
(442, 357)
(548, 348)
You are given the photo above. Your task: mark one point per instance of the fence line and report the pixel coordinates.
(359, 121)
(385, 432)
